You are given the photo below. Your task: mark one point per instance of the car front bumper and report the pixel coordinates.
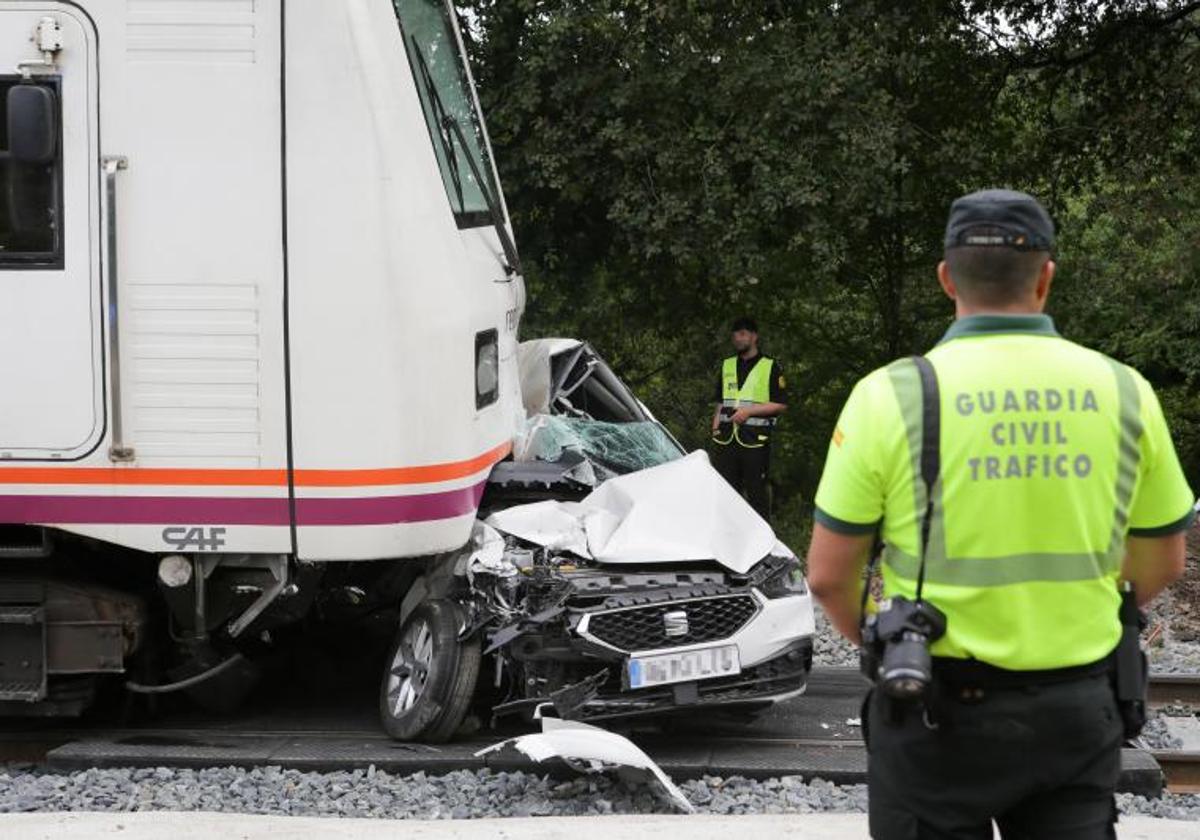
(774, 651)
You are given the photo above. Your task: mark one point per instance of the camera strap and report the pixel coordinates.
(931, 453)
(931, 467)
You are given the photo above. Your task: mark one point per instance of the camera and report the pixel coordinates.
(895, 653)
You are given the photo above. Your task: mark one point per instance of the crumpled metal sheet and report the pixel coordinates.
(533, 369)
(487, 555)
(553, 525)
(676, 512)
(589, 749)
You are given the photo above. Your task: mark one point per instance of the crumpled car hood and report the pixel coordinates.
(677, 512)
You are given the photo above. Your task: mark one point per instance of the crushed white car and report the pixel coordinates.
(612, 576)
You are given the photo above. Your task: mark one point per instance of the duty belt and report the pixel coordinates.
(971, 673)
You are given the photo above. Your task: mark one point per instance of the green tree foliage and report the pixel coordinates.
(670, 164)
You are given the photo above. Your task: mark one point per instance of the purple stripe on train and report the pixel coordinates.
(388, 510)
(207, 510)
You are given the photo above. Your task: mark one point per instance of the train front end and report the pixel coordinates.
(258, 332)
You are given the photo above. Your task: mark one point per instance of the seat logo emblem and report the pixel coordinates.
(675, 624)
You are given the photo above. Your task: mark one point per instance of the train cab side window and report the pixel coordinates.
(30, 174)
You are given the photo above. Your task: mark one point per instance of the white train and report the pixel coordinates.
(259, 304)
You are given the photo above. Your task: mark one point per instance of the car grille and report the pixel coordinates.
(645, 628)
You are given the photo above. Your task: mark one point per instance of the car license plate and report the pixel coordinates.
(685, 666)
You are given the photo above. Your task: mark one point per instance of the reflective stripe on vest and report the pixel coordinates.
(1022, 589)
(756, 389)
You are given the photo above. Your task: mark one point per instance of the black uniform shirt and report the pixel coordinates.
(744, 366)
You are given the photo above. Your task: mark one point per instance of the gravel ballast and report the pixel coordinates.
(369, 793)
(1156, 735)
(1174, 618)
(830, 649)
(458, 795)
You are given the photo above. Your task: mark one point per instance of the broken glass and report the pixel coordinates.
(618, 447)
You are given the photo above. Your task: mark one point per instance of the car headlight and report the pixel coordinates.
(784, 581)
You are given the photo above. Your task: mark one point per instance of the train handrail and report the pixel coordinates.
(119, 450)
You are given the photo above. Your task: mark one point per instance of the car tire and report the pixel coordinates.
(430, 675)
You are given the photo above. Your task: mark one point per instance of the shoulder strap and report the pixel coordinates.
(931, 466)
(931, 452)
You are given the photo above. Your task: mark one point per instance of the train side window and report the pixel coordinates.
(30, 174)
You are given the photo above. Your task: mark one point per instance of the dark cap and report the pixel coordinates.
(1004, 218)
(744, 323)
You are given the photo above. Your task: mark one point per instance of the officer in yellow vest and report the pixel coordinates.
(1019, 482)
(751, 395)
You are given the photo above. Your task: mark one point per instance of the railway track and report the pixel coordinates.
(1166, 689)
(801, 743)
(841, 760)
(1181, 768)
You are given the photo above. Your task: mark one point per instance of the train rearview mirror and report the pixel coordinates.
(32, 124)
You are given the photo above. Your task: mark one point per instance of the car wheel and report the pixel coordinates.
(430, 675)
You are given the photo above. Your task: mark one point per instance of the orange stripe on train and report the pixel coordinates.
(426, 474)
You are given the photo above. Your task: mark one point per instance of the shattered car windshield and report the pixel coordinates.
(621, 447)
(581, 417)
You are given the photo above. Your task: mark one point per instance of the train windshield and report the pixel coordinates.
(444, 87)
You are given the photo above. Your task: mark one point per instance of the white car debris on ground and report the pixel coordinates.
(589, 749)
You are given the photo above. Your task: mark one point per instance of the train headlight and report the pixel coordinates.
(174, 571)
(487, 368)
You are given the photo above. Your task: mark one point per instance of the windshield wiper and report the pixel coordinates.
(439, 114)
(512, 260)
(448, 129)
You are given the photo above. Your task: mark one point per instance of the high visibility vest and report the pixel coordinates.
(1051, 454)
(756, 431)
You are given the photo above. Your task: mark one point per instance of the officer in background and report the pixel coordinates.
(1057, 479)
(751, 394)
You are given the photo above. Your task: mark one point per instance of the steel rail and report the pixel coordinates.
(1166, 689)
(33, 745)
(1181, 769)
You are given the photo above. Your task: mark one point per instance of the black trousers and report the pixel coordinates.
(745, 468)
(1041, 761)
